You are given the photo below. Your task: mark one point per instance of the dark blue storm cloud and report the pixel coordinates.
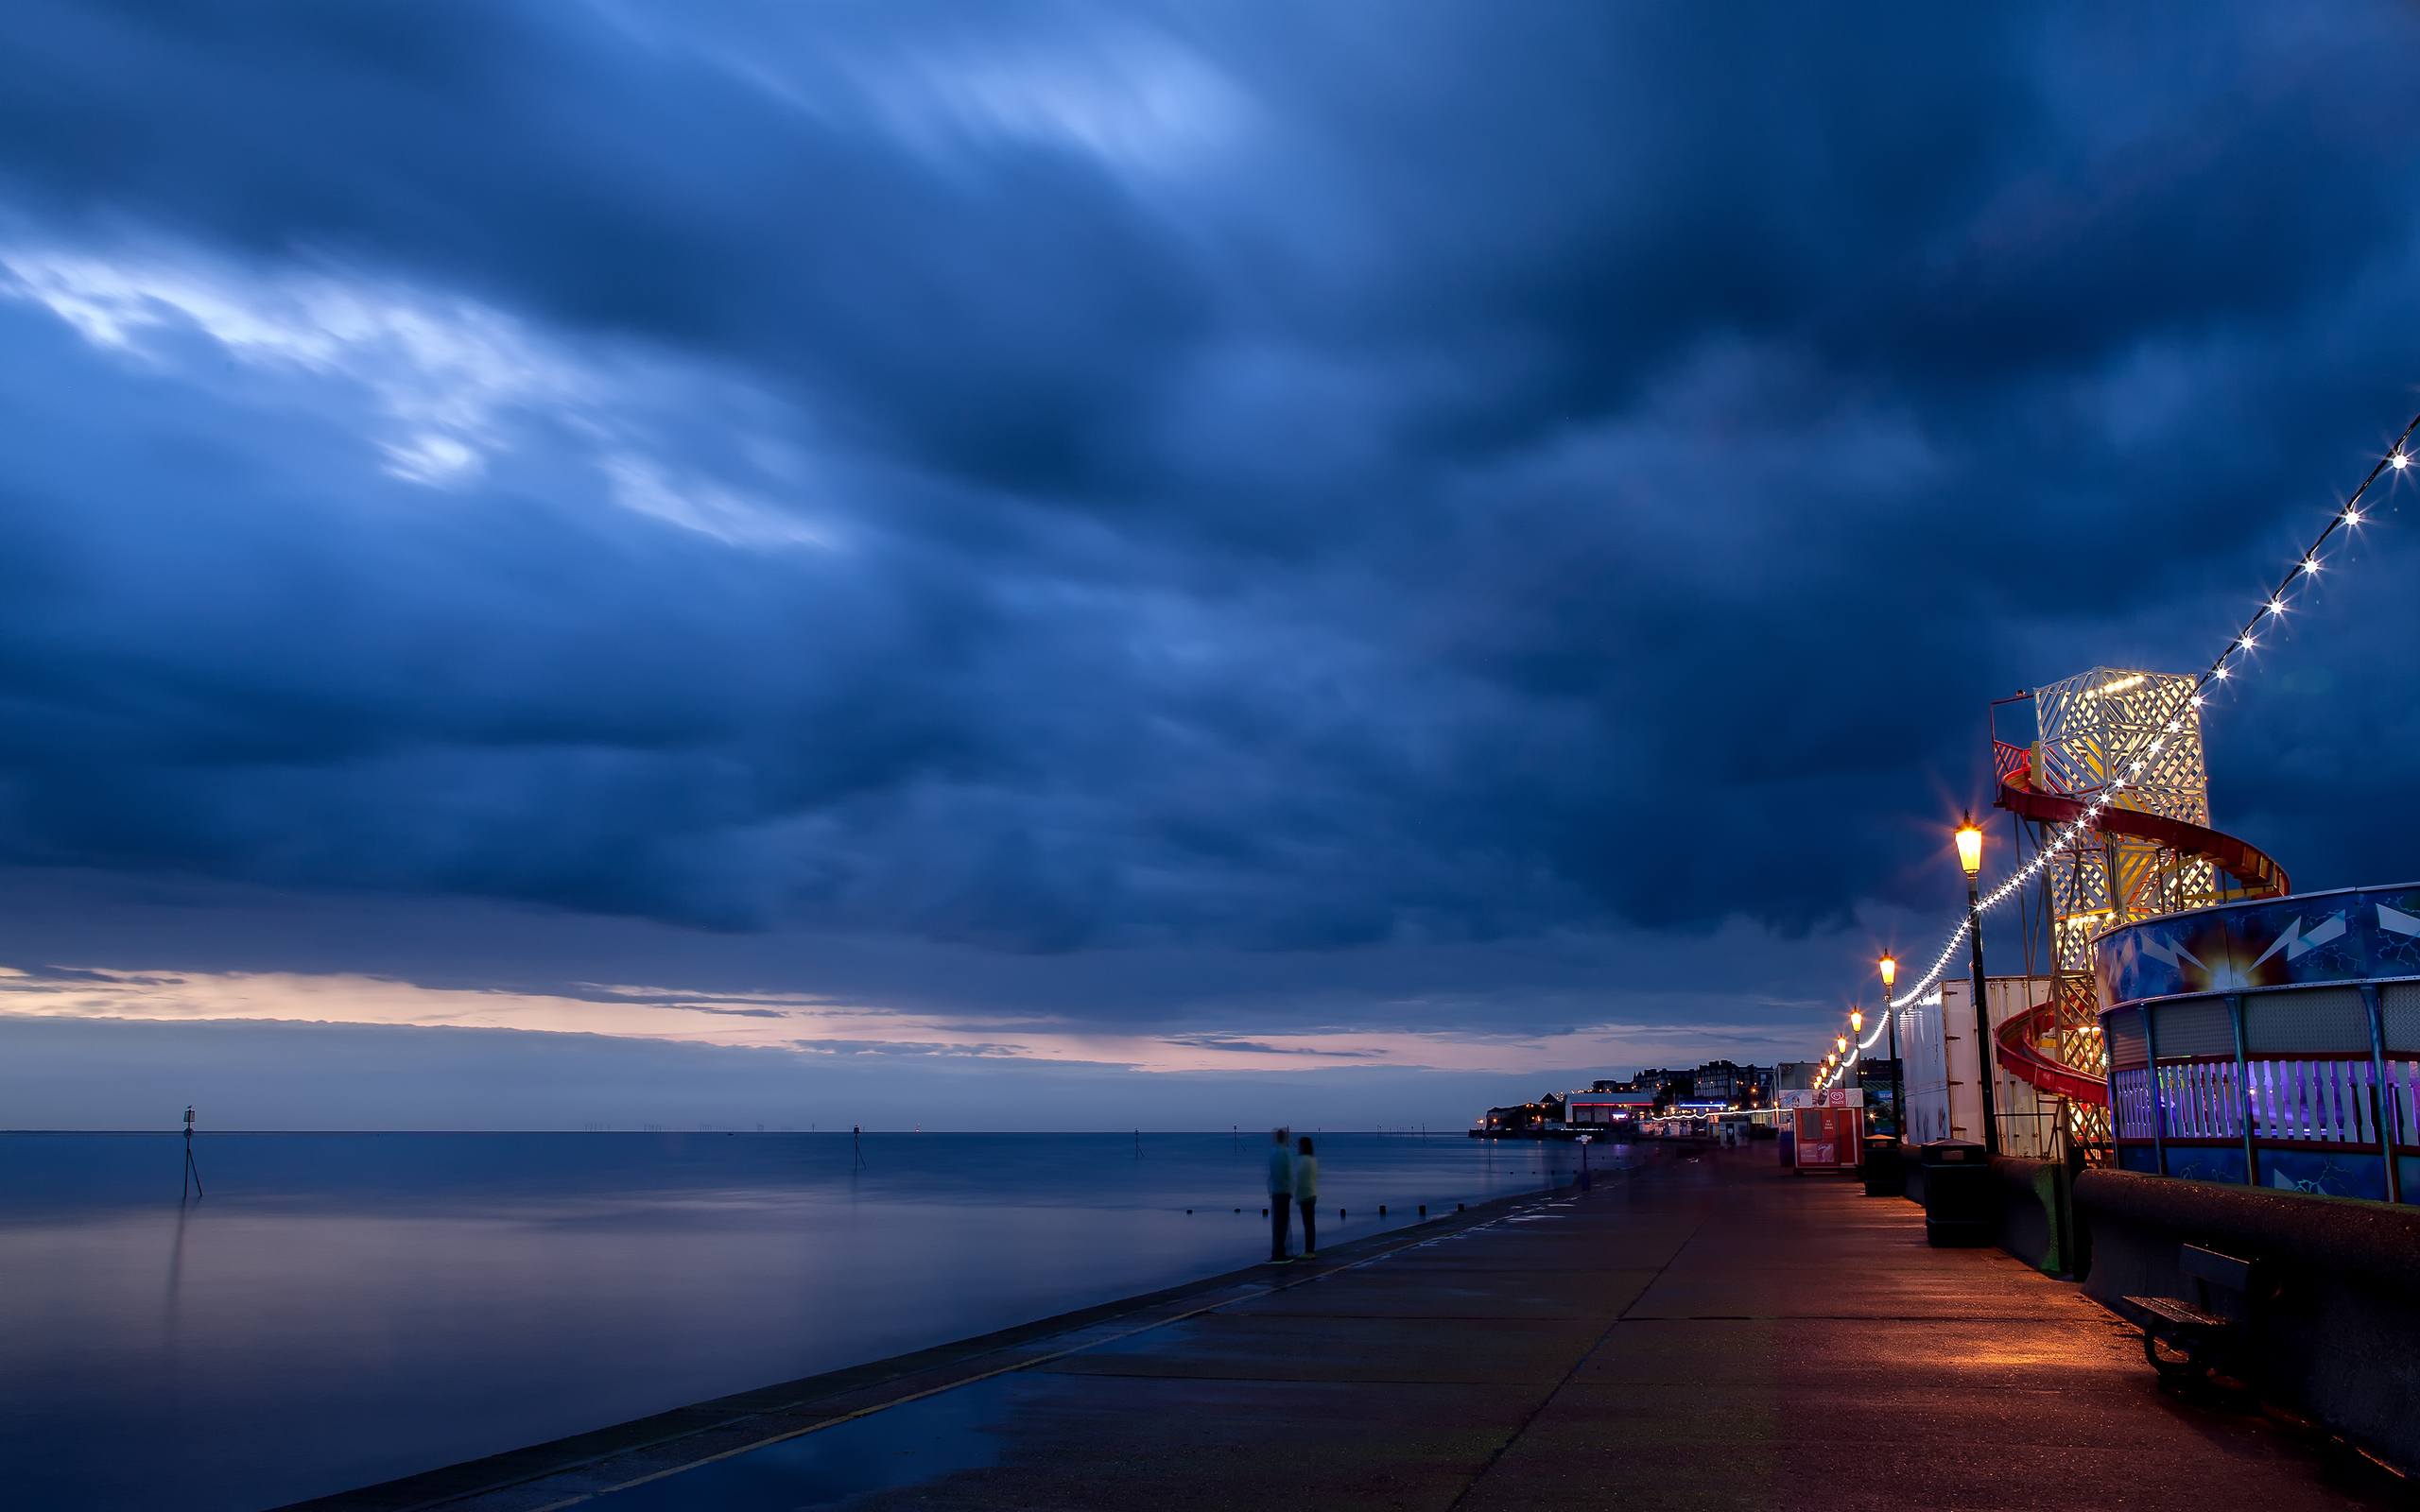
(1041, 478)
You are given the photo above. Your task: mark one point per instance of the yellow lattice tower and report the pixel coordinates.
(2093, 726)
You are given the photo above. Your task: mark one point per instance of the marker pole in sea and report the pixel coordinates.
(193, 1171)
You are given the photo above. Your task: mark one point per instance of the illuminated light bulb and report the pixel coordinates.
(2245, 642)
(2352, 517)
(2197, 700)
(2311, 565)
(2397, 460)
(2276, 605)
(2220, 673)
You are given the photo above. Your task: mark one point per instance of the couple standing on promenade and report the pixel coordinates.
(1293, 1176)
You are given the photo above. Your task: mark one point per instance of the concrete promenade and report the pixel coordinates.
(1708, 1332)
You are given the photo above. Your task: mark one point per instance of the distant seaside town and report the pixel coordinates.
(1717, 1087)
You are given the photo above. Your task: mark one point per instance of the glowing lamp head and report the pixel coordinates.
(1840, 1044)
(2398, 460)
(1890, 966)
(1856, 1021)
(1970, 848)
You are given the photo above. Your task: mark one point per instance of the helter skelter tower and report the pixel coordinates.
(2151, 852)
(2093, 726)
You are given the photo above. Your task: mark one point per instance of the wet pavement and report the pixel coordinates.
(1710, 1332)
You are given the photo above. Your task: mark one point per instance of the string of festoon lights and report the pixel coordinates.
(1857, 1051)
(2129, 766)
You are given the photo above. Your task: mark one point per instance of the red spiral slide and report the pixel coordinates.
(2255, 873)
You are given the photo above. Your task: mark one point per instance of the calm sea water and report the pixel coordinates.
(341, 1308)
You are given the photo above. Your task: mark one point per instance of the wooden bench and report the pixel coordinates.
(2198, 1339)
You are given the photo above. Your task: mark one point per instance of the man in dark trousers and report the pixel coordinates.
(1281, 1193)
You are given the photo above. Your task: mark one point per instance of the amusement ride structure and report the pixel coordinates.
(2111, 797)
(2149, 850)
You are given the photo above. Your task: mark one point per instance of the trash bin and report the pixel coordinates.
(1883, 1176)
(1960, 1209)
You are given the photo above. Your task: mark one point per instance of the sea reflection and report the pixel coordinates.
(344, 1309)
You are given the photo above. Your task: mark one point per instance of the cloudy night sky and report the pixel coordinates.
(1074, 566)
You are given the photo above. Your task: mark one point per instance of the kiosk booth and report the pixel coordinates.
(1826, 1129)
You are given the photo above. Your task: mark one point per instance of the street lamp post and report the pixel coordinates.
(1857, 1028)
(1890, 966)
(1879, 1153)
(1970, 861)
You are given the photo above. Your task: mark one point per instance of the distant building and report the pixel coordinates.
(1523, 1118)
(1669, 1087)
(1604, 1104)
(1655, 1090)
(1724, 1081)
(1718, 1081)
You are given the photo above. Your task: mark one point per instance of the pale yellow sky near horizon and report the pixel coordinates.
(820, 1027)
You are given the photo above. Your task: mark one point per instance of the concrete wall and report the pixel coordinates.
(2029, 1196)
(2029, 1193)
(2339, 1339)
